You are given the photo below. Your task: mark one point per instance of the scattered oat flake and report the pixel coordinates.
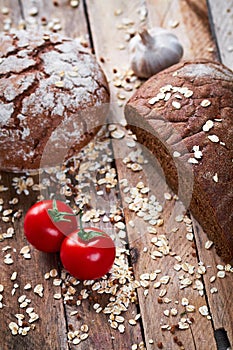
(176, 105)
(46, 276)
(205, 103)
(179, 218)
(8, 260)
(14, 328)
(212, 279)
(136, 167)
(176, 154)
(38, 289)
(166, 312)
(208, 244)
(174, 23)
(25, 250)
(183, 324)
(164, 279)
(157, 285)
(27, 286)
(14, 276)
(60, 83)
(57, 296)
(156, 254)
(74, 3)
(84, 328)
(121, 328)
(208, 125)
(76, 341)
(189, 236)
(167, 196)
(53, 273)
(185, 282)
(197, 152)
(221, 274)
(33, 11)
(173, 311)
(215, 177)
(190, 308)
(118, 134)
(192, 161)
(162, 292)
(132, 322)
(165, 327)
(203, 310)
(5, 10)
(213, 138)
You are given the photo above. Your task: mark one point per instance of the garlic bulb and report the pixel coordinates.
(154, 50)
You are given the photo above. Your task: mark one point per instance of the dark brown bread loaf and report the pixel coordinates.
(184, 116)
(51, 94)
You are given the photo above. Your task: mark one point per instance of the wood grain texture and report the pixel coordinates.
(188, 19)
(101, 335)
(70, 20)
(52, 332)
(10, 14)
(137, 240)
(109, 37)
(151, 310)
(221, 17)
(221, 302)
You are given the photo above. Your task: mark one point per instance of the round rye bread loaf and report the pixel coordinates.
(53, 99)
(184, 116)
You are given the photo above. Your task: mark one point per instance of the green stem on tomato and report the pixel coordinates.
(57, 215)
(86, 235)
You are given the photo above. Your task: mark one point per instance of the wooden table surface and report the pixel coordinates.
(166, 290)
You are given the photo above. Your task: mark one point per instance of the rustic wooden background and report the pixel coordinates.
(205, 30)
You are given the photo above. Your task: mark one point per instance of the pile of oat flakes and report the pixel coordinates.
(89, 176)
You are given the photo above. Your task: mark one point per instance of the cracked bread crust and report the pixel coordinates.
(196, 100)
(47, 82)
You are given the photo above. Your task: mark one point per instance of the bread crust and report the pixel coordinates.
(197, 105)
(45, 81)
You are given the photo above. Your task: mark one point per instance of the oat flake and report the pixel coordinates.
(215, 177)
(213, 138)
(176, 105)
(205, 103)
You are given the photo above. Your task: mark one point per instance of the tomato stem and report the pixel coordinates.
(86, 235)
(57, 215)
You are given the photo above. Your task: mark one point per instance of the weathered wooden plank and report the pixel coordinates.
(220, 302)
(197, 19)
(10, 14)
(100, 333)
(220, 299)
(189, 21)
(221, 16)
(56, 16)
(52, 332)
(183, 250)
(138, 238)
(111, 38)
(50, 329)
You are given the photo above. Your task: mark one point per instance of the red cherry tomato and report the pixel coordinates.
(47, 223)
(88, 253)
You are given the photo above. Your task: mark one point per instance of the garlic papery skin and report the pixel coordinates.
(154, 50)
